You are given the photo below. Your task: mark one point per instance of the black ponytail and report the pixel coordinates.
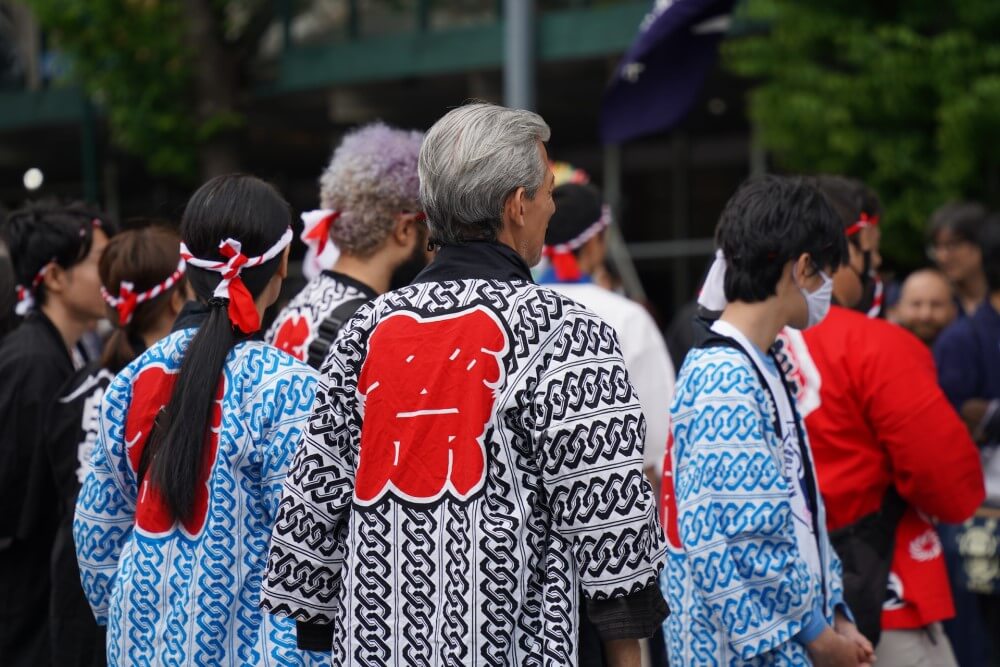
(252, 212)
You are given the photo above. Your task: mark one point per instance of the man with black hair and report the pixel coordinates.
(968, 361)
(877, 421)
(752, 577)
(55, 250)
(954, 247)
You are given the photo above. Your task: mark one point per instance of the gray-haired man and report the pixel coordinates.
(475, 452)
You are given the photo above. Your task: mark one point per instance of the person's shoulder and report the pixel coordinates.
(260, 360)
(715, 369)
(85, 382)
(959, 335)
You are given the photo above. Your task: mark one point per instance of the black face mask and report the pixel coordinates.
(868, 283)
(408, 270)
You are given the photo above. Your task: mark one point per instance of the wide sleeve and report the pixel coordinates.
(734, 515)
(282, 404)
(935, 464)
(105, 508)
(307, 543)
(588, 429)
(652, 375)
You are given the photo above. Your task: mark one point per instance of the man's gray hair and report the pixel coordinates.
(471, 160)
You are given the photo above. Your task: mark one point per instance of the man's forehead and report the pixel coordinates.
(926, 285)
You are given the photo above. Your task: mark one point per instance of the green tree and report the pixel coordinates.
(904, 95)
(169, 74)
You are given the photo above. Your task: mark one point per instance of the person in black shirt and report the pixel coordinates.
(144, 287)
(54, 250)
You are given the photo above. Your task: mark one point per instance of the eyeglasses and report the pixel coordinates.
(935, 249)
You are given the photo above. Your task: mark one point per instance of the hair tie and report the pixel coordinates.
(241, 307)
(26, 294)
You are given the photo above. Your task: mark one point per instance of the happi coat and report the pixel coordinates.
(741, 583)
(188, 593)
(297, 326)
(473, 460)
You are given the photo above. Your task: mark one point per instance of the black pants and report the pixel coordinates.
(77, 640)
(24, 603)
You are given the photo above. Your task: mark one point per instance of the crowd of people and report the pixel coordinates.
(458, 445)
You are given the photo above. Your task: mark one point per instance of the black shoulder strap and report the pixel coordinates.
(328, 329)
(812, 490)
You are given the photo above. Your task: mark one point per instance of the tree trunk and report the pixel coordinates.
(217, 83)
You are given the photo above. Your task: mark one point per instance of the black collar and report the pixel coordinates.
(40, 320)
(353, 282)
(484, 260)
(191, 316)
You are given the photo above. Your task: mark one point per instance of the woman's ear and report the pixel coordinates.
(55, 279)
(283, 266)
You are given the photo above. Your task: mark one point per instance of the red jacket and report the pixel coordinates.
(876, 416)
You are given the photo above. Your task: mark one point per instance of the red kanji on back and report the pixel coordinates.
(429, 387)
(151, 392)
(292, 336)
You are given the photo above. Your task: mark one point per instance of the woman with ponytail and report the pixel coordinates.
(143, 285)
(195, 437)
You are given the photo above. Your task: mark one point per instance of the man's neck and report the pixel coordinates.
(371, 271)
(759, 322)
(70, 328)
(972, 291)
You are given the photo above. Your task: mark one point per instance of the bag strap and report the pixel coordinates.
(716, 339)
(329, 328)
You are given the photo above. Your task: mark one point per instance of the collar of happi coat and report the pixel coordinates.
(472, 260)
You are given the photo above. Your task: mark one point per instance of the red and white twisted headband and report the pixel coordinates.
(561, 255)
(26, 294)
(242, 309)
(127, 299)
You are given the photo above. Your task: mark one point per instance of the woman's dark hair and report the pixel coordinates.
(47, 231)
(964, 219)
(769, 222)
(578, 206)
(145, 257)
(989, 242)
(849, 197)
(248, 210)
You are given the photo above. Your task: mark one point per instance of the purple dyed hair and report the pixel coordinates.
(371, 178)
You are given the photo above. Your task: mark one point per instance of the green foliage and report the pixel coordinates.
(131, 57)
(134, 59)
(903, 95)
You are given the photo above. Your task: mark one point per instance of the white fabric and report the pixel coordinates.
(646, 358)
(713, 293)
(792, 465)
(316, 262)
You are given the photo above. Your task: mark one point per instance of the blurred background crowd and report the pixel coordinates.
(128, 105)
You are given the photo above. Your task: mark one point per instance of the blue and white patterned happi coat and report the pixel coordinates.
(187, 594)
(738, 588)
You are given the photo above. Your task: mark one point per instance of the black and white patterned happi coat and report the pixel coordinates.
(473, 458)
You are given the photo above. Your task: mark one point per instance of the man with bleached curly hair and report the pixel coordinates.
(369, 237)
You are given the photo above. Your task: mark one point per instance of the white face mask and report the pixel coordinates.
(818, 302)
